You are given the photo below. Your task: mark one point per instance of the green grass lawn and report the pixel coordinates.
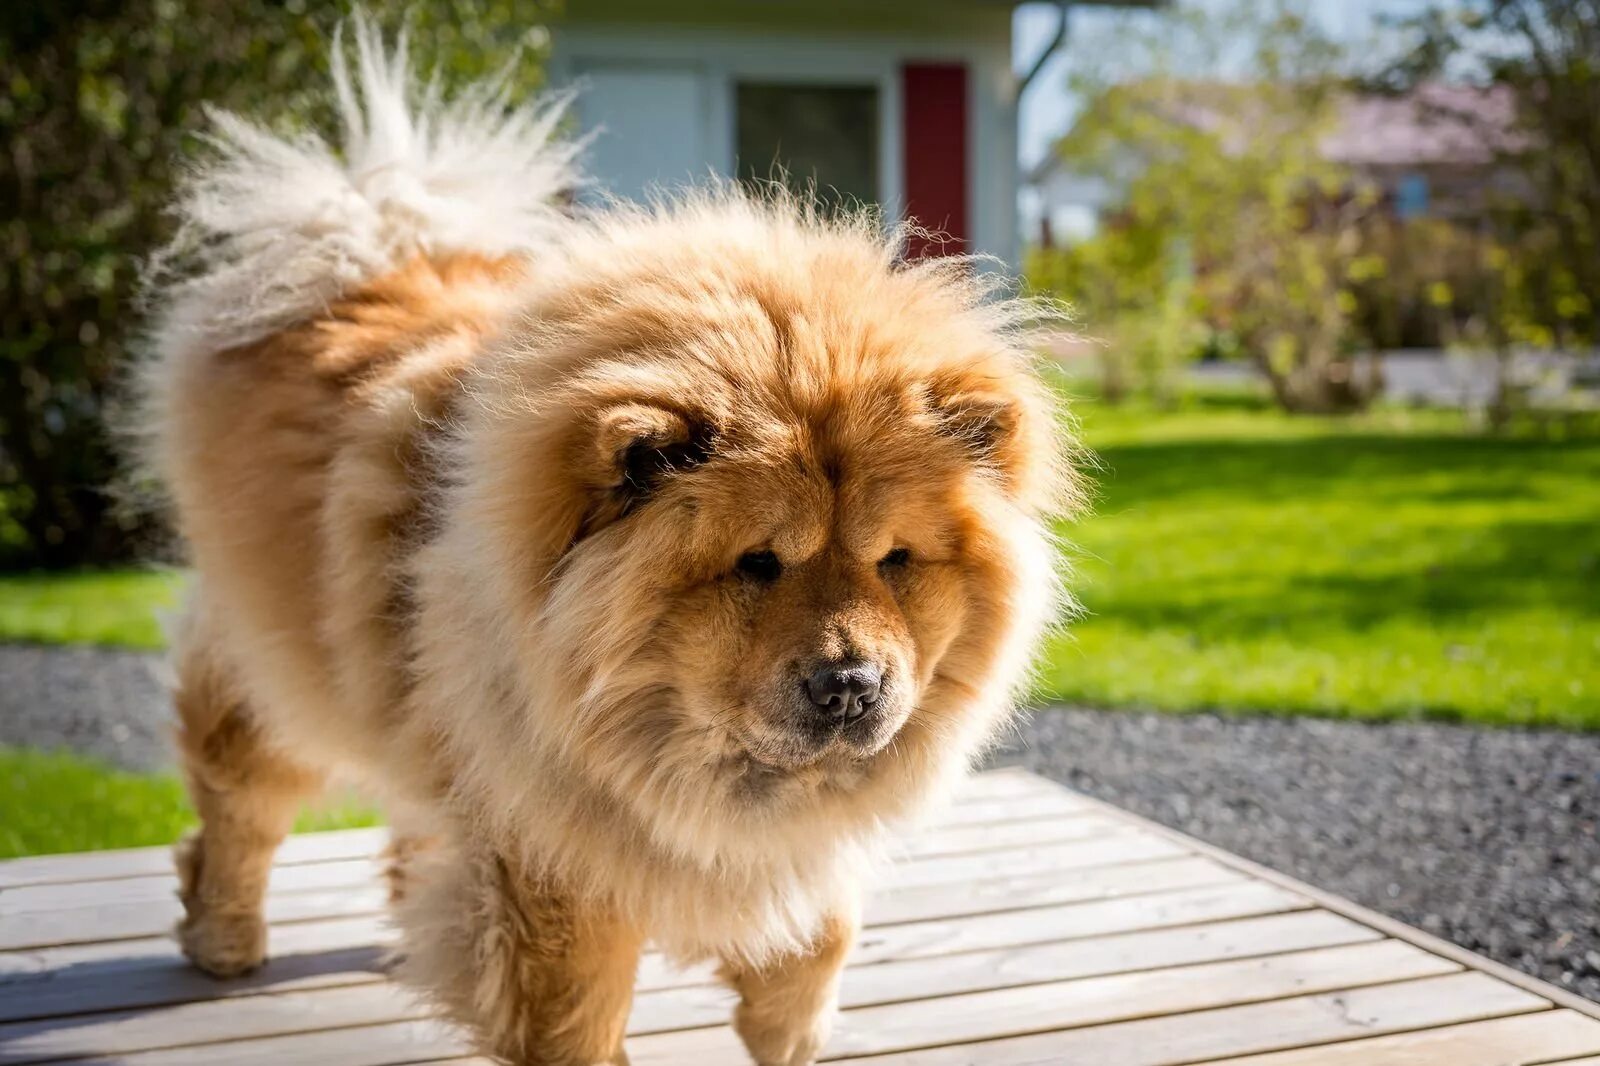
(59, 802)
(121, 608)
(1392, 565)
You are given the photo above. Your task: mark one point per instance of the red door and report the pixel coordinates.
(934, 106)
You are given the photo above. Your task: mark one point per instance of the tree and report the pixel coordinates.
(1544, 55)
(99, 100)
(1131, 288)
(1228, 196)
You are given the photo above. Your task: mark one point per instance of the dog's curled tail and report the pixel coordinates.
(272, 228)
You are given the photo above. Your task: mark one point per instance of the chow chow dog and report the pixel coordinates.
(655, 566)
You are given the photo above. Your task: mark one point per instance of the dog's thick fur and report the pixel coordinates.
(473, 489)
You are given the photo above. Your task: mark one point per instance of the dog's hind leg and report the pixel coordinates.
(247, 794)
(540, 977)
(786, 1006)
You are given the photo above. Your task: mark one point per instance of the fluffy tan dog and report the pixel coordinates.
(655, 567)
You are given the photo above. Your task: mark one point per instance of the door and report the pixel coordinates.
(935, 136)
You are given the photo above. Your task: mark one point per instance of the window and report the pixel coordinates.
(821, 135)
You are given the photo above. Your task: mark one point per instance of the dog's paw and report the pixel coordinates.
(784, 1042)
(224, 945)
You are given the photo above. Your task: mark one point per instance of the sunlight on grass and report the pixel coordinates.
(1390, 565)
(56, 802)
(124, 608)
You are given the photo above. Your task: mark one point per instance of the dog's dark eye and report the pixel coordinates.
(760, 566)
(896, 559)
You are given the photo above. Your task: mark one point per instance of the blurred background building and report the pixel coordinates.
(913, 106)
(1436, 152)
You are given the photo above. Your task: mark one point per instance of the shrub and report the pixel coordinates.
(100, 101)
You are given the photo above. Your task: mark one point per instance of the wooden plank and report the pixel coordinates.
(242, 1016)
(919, 940)
(1367, 916)
(343, 933)
(1231, 1031)
(125, 1032)
(999, 1013)
(148, 973)
(921, 902)
(218, 1023)
(357, 881)
(401, 1042)
(900, 979)
(346, 864)
(1005, 783)
(1077, 933)
(367, 1045)
(103, 969)
(1106, 851)
(148, 875)
(1520, 1041)
(997, 796)
(332, 934)
(292, 877)
(1073, 921)
(1001, 836)
(1011, 809)
(108, 976)
(140, 919)
(134, 921)
(140, 862)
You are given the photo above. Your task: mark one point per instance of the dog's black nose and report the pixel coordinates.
(845, 690)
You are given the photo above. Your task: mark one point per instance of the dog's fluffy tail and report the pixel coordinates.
(270, 229)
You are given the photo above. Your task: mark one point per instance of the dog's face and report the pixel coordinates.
(824, 586)
(775, 510)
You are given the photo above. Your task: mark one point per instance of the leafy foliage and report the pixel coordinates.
(1231, 213)
(1545, 55)
(98, 103)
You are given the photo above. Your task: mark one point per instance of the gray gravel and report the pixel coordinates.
(96, 701)
(1484, 837)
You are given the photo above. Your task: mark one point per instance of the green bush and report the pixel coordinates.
(99, 103)
(1230, 216)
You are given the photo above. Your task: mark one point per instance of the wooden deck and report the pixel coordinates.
(1031, 926)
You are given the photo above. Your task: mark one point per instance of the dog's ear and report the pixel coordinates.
(984, 421)
(637, 445)
(1007, 430)
(615, 454)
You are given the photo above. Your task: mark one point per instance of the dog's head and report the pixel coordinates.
(770, 504)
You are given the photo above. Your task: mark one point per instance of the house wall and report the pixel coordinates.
(646, 76)
(953, 18)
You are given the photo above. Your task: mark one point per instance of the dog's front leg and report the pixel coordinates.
(786, 1006)
(539, 977)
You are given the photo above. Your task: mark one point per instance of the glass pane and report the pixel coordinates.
(826, 134)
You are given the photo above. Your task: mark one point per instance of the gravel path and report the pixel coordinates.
(101, 702)
(1485, 837)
